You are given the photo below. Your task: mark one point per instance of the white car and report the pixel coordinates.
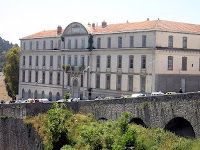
(138, 95)
(43, 100)
(157, 93)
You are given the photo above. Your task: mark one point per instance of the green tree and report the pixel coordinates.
(67, 96)
(11, 72)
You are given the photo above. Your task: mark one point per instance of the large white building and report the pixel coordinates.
(116, 59)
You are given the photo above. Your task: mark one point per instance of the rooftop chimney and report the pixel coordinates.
(93, 25)
(89, 24)
(104, 24)
(59, 30)
(147, 19)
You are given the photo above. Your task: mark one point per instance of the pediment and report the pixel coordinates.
(75, 28)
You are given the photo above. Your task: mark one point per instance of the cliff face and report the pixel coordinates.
(15, 135)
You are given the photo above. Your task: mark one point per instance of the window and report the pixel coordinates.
(69, 60)
(43, 77)
(58, 78)
(37, 45)
(30, 60)
(170, 62)
(51, 44)
(108, 61)
(29, 76)
(36, 76)
(82, 61)
(50, 77)
(98, 42)
(82, 43)
(81, 80)
(76, 43)
(37, 60)
(144, 40)
(119, 42)
(119, 78)
(24, 46)
(130, 83)
(51, 61)
(131, 61)
(44, 61)
(68, 83)
(43, 95)
(57, 96)
(75, 60)
(142, 83)
(29, 93)
(107, 81)
(69, 43)
(131, 41)
(170, 42)
(30, 45)
(35, 94)
(98, 61)
(119, 61)
(44, 44)
(23, 75)
(199, 64)
(184, 42)
(24, 60)
(143, 62)
(23, 93)
(59, 44)
(184, 63)
(50, 96)
(63, 60)
(98, 81)
(109, 42)
(59, 61)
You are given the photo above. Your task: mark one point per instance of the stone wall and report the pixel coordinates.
(15, 135)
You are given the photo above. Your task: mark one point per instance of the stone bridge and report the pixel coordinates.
(177, 113)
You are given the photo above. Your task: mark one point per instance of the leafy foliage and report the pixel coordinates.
(84, 132)
(11, 71)
(4, 47)
(67, 96)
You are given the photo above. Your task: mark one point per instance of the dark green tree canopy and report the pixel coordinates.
(11, 71)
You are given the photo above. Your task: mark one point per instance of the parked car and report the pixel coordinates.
(125, 96)
(138, 95)
(157, 93)
(18, 101)
(169, 93)
(43, 100)
(109, 97)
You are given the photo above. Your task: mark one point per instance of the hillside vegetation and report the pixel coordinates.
(4, 48)
(60, 129)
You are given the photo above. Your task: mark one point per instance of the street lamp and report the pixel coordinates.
(35, 86)
(148, 74)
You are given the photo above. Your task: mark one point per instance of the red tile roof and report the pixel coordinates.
(44, 33)
(145, 25)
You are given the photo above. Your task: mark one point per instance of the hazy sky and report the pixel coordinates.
(19, 18)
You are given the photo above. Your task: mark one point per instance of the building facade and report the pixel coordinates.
(109, 60)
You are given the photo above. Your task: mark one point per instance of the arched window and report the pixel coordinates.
(35, 94)
(57, 96)
(29, 93)
(75, 83)
(50, 96)
(42, 94)
(23, 93)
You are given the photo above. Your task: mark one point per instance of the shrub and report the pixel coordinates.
(80, 67)
(67, 96)
(67, 67)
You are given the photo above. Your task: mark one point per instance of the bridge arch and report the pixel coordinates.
(180, 126)
(138, 121)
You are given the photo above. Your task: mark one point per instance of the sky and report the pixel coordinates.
(20, 18)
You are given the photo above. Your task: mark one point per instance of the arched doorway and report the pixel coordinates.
(75, 88)
(138, 121)
(180, 126)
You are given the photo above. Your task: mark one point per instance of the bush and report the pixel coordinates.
(67, 67)
(67, 96)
